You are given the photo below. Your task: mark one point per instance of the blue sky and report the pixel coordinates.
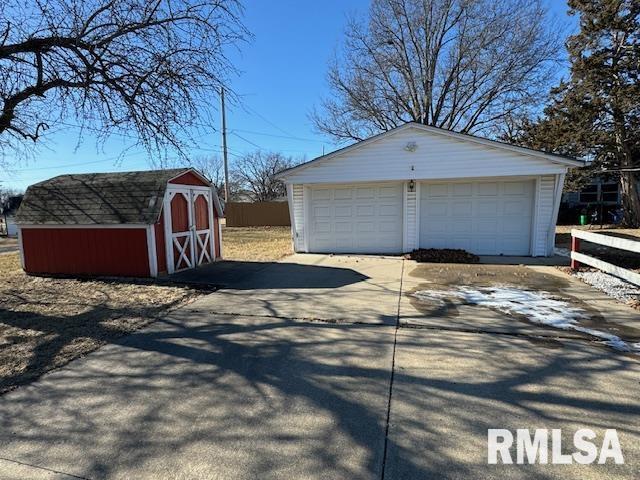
(283, 75)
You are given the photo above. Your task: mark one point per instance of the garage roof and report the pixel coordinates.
(97, 198)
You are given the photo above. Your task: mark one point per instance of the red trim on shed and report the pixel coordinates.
(216, 235)
(86, 251)
(161, 250)
(189, 178)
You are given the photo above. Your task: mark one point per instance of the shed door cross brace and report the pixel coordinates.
(197, 247)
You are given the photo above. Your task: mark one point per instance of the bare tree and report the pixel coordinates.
(140, 68)
(213, 168)
(256, 173)
(457, 64)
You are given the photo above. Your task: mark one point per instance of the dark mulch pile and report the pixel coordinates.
(442, 255)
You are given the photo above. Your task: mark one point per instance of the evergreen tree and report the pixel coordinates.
(596, 112)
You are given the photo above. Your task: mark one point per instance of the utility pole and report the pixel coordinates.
(224, 146)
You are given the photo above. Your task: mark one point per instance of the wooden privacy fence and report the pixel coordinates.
(258, 214)
(609, 241)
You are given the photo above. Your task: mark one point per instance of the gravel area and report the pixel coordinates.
(612, 286)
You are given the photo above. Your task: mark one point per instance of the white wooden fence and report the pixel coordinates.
(578, 258)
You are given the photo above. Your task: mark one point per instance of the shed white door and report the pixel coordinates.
(363, 218)
(485, 218)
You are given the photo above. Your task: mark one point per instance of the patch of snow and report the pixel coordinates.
(563, 252)
(538, 306)
(612, 286)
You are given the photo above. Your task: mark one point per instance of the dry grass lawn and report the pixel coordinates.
(47, 322)
(259, 244)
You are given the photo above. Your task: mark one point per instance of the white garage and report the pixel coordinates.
(423, 187)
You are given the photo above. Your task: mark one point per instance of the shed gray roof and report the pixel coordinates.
(97, 198)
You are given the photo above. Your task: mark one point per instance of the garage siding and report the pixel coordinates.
(297, 204)
(545, 214)
(412, 212)
(435, 157)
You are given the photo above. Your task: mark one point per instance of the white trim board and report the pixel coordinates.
(607, 240)
(628, 275)
(151, 251)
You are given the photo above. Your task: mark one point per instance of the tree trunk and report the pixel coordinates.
(630, 199)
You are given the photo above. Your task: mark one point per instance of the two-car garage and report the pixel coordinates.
(422, 187)
(485, 217)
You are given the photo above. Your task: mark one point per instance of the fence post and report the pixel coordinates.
(575, 247)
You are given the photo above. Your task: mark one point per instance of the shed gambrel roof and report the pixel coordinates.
(97, 198)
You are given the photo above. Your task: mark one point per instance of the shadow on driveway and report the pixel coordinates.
(274, 275)
(236, 397)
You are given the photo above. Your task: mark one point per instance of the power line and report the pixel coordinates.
(71, 165)
(265, 119)
(302, 139)
(248, 141)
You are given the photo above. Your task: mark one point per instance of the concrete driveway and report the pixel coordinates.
(328, 367)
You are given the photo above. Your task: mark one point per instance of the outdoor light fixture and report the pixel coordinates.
(411, 147)
(412, 185)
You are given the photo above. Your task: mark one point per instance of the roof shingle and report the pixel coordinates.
(97, 198)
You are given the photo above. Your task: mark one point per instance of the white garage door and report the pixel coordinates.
(485, 218)
(356, 219)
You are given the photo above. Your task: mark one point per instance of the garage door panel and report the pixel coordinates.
(323, 227)
(321, 212)
(343, 227)
(516, 226)
(389, 210)
(437, 208)
(343, 194)
(459, 209)
(389, 192)
(438, 190)
(462, 189)
(487, 207)
(487, 227)
(462, 227)
(486, 246)
(365, 210)
(486, 218)
(514, 188)
(488, 189)
(515, 207)
(388, 227)
(363, 193)
(362, 219)
(321, 194)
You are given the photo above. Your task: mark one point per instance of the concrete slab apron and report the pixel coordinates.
(324, 287)
(451, 384)
(209, 396)
(450, 388)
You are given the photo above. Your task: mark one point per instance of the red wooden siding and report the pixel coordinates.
(216, 236)
(161, 250)
(189, 178)
(179, 213)
(86, 251)
(201, 208)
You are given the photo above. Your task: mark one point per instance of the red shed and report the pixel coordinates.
(134, 224)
